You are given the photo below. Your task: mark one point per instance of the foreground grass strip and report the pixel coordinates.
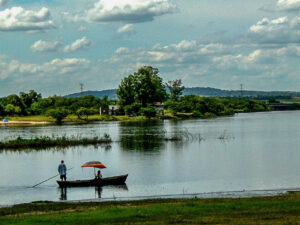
(267, 210)
(47, 142)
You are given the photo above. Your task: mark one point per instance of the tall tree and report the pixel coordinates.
(126, 91)
(144, 87)
(175, 87)
(29, 98)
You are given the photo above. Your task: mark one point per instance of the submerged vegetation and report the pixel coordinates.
(284, 209)
(47, 142)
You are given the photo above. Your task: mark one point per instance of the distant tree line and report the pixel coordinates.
(32, 103)
(138, 94)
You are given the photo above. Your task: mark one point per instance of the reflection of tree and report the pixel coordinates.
(142, 136)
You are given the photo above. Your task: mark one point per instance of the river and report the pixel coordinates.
(227, 156)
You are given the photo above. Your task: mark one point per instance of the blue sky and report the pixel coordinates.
(52, 46)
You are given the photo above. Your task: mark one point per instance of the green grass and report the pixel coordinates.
(266, 210)
(75, 119)
(39, 118)
(47, 142)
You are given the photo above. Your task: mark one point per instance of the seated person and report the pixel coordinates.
(98, 175)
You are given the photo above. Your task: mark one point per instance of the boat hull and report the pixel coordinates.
(117, 180)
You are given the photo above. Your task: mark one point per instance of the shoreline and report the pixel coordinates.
(248, 194)
(280, 209)
(36, 120)
(25, 123)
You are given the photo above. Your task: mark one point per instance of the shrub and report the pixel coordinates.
(149, 112)
(58, 114)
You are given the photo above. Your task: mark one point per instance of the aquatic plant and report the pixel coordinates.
(47, 142)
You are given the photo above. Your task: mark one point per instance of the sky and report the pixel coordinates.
(52, 46)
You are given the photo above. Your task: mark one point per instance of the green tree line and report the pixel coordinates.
(138, 94)
(32, 103)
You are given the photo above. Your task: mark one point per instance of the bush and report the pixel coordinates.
(133, 109)
(12, 110)
(149, 112)
(58, 114)
(83, 113)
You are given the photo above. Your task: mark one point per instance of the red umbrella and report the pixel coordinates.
(95, 164)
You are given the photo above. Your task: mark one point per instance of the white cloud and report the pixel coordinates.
(12, 68)
(127, 29)
(19, 19)
(45, 46)
(129, 11)
(280, 30)
(3, 2)
(288, 4)
(65, 66)
(77, 45)
(184, 52)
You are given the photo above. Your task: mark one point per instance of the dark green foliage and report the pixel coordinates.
(58, 114)
(28, 99)
(2, 112)
(31, 103)
(176, 88)
(133, 109)
(12, 110)
(144, 87)
(210, 107)
(83, 113)
(47, 142)
(126, 91)
(149, 111)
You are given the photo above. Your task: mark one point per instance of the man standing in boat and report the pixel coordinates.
(62, 170)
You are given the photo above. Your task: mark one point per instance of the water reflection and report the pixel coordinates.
(142, 136)
(98, 191)
(63, 194)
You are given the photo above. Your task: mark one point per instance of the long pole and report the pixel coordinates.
(48, 179)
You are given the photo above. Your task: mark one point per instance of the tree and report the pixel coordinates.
(2, 112)
(126, 91)
(58, 114)
(175, 87)
(10, 109)
(29, 98)
(15, 101)
(144, 87)
(149, 86)
(83, 113)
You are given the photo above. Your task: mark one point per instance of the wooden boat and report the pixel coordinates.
(117, 180)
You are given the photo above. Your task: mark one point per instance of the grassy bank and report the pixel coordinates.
(267, 210)
(75, 119)
(47, 142)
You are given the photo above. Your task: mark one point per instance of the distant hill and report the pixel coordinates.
(111, 94)
(201, 91)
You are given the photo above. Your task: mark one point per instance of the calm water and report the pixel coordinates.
(258, 151)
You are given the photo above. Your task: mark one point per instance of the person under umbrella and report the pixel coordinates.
(95, 164)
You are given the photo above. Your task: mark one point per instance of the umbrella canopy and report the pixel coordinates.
(5, 120)
(95, 164)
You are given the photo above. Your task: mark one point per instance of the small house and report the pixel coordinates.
(112, 109)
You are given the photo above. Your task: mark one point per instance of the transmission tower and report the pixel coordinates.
(241, 90)
(81, 88)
